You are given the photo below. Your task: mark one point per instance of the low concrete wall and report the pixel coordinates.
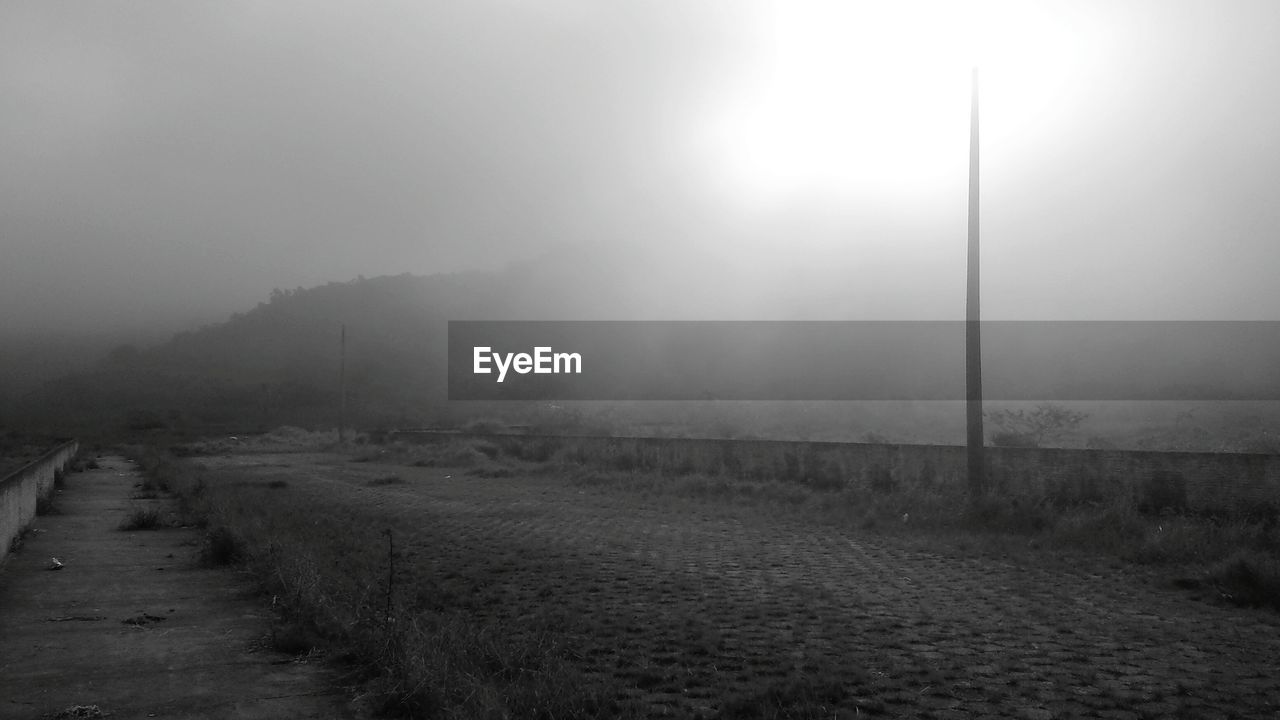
(20, 490)
(1227, 483)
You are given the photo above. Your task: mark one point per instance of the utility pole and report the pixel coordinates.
(973, 325)
(342, 387)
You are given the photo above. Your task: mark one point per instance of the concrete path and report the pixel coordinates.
(133, 625)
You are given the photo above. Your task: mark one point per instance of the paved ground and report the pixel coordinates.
(132, 625)
(693, 605)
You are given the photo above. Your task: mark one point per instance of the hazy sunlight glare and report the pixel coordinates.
(871, 98)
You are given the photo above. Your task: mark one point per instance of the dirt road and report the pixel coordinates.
(710, 610)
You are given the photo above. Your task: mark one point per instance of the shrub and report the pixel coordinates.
(221, 547)
(1010, 514)
(1249, 578)
(141, 518)
(535, 450)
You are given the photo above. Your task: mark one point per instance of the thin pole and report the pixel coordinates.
(342, 388)
(973, 328)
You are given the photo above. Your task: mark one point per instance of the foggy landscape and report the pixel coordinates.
(251, 254)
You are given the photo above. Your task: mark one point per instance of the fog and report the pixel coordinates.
(163, 165)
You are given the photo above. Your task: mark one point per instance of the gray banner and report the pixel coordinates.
(862, 360)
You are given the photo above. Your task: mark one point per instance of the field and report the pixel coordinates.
(461, 583)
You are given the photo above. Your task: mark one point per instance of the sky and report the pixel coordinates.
(166, 164)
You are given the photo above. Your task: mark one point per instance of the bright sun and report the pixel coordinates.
(873, 97)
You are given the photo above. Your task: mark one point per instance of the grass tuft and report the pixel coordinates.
(221, 547)
(142, 518)
(1248, 578)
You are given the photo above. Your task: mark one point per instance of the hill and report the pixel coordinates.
(277, 363)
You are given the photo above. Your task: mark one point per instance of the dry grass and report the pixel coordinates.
(1238, 556)
(281, 439)
(337, 582)
(1248, 577)
(142, 518)
(447, 624)
(811, 487)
